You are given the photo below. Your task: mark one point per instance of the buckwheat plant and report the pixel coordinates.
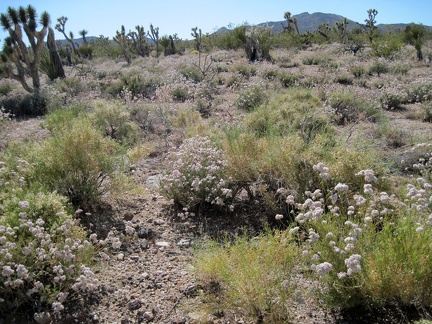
(368, 247)
(43, 266)
(196, 175)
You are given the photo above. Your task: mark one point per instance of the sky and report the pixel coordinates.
(105, 17)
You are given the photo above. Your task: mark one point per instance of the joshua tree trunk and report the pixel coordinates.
(54, 54)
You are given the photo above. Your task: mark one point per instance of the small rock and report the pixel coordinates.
(134, 257)
(162, 244)
(143, 233)
(159, 221)
(145, 275)
(128, 216)
(134, 304)
(184, 242)
(120, 256)
(144, 244)
(148, 316)
(42, 318)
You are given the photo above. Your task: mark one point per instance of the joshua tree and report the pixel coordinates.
(60, 26)
(154, 36)
(415, 36)
(83, 34)
(197, 34)
(15, 51)
(323, 29)
(138, 42)
(52, 64)
(168, 44)
(370, 23)
(122, 40)
(289, 28)
(341, 28)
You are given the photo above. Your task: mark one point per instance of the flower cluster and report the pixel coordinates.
(196, 175)
(42, 261)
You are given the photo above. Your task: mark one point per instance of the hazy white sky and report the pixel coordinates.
(104, 17)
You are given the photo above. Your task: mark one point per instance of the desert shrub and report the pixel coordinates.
(315, 60)
(296, 111)
(387, 48)
(136, 85)
(347, 107)
(86, 51)
(23, 105)
(270, 74)
(245, 70)
(77, 162)
(248, 275)
(392, 101)
(419, 92)
(191, 73)
(233, 81)
(378, 68)
(250, 97)
(72, 86)
(427, 111)
(196, 175)
(344, 79)
(288, 80)
(5, 88)
(399, 69)
(115, 120)
(358, 71)
(45, 253)
(61, 117)
(355, 241)
(180, 94)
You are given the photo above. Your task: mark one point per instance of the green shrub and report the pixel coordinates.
(5, 88)
(378, 68)
(344, 79)
(115, 120)
(78, 162)
(86, 51)
(180, 94)
(72, 86)
(348, 107)
(135, 85)
(251, 97)
(312, 60)
(358, 71)
(399, 69)
(23, 105)
(391, 101)
(248, 276)
(288, 80)
(245, 70)
(387, 48)
(191, 73)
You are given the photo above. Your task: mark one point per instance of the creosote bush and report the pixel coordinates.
(78, 162)
(253, 276)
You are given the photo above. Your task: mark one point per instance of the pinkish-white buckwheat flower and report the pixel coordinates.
(23, 204)
(323, 268)
(279, 216)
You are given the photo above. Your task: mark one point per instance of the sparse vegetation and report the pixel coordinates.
(297, 164)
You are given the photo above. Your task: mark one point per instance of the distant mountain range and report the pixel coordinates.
(307, 21)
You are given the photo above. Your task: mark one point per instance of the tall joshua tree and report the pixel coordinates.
(370, 23)
(122, 39)
(415, 35)
(154, 35)
(20, 23)
(83, 34)
(61, 28)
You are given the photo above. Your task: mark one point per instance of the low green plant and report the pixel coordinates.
(191, 73)
(358, 71)
(399, 69)
(391, 101)
(344, 79)
(251, 276)
(419, 92)
(287, 79)
(115, 120)
(378, 68)
(78, 162)
(388, 48)
(251, 97)
(180, 94)
(5, 88)
(315, 60)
